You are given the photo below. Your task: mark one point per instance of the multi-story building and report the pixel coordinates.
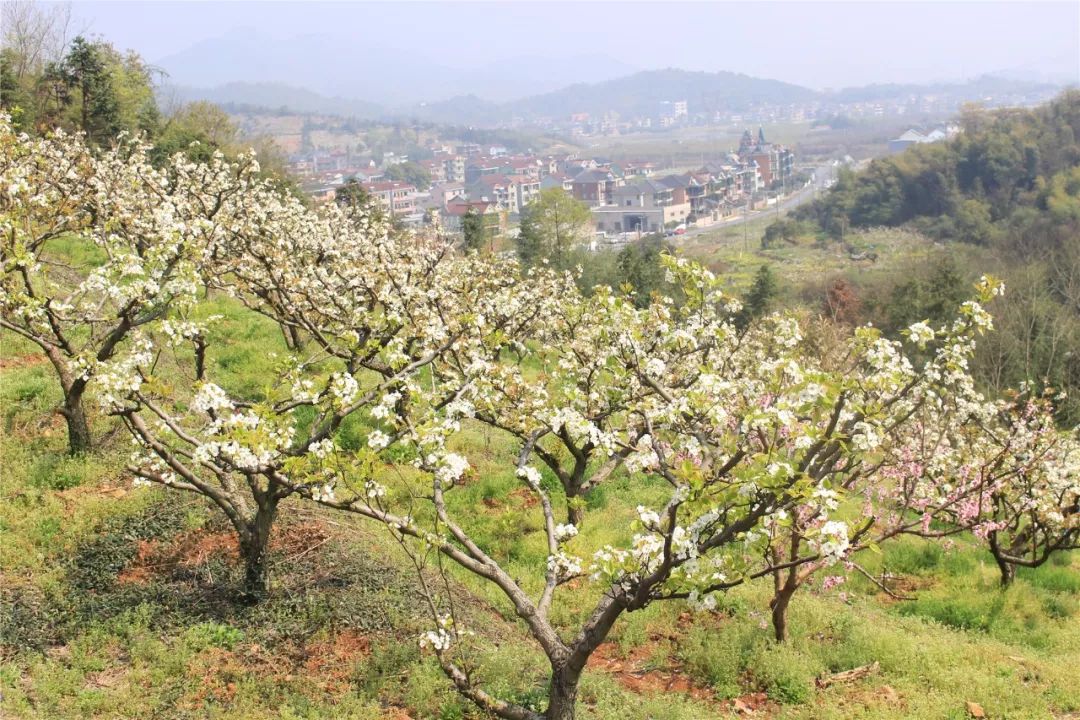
(595, 187)
(646, 206)
(527, 189)
(498, 189)
(443, 193)
(455, 168)
(398, 198)
(479, 166)
(495, 220)
(436, 170)
(528, 165)
(557, 180)
(671, 112)
(775, 163)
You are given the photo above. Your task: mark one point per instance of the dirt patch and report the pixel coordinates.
(190, 549)
(195, 548)
(73, 494)
(875, 697)
(216, 671)
(332, 660)
(325, 664)
(753, 704)
(525, 497)
(902, 587)
(106, 679)
(21, 361)
(299, 538)
(631, 673)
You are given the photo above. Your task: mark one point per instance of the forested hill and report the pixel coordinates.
(640, 93)
(1003, 197)
(1008, 171)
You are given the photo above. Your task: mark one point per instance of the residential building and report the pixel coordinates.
(646, 206)
(398, 198)
(499, 189)
(479, 166)
(455, 168)
(775, 163)
(559, 180)
(436, 170)
(644, 169)
(442, 193)
(671, 112)
(527, 189)
(495, 220)
(527, 165)
(594, 187)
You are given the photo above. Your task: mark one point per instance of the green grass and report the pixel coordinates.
(338, 637)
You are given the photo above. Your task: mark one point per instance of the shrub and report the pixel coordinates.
(211, 634)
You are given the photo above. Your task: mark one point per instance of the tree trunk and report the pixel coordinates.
(1007, 569)
(79, 440)
(575, 507)
(293, 341)
(254, 547)
(562, 697)
(779, 607)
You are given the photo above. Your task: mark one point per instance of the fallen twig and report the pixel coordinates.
(885, 588)
(848, 675)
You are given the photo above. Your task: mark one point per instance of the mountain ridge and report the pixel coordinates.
(636, 94)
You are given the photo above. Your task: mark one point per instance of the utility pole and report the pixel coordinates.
(746, 229)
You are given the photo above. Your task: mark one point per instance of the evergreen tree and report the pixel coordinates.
(472, 225)
(758, 300)
(85, 71)
(640, 268)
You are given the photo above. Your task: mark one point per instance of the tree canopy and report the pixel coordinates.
(552, 227)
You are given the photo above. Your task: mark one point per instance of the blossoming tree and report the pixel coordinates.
(909, 473)
(377, 311)
(559, 394)
(95, 246)
(739, 427)
(1021, 492)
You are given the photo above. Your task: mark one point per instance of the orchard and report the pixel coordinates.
(768, 458)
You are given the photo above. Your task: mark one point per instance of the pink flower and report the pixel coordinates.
(832, 581)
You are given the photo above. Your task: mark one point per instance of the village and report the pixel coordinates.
(626, 199)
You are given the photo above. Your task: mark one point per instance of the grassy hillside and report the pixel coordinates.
(117, 604)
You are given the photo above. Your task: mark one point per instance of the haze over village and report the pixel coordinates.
(648, 149)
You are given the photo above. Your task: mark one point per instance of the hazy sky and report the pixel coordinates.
(810, 43)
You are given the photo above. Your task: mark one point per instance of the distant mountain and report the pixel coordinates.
(274, 96)
(641, 93)
(973, 89)
(638, 94)
(368, 68)
(461, 110)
